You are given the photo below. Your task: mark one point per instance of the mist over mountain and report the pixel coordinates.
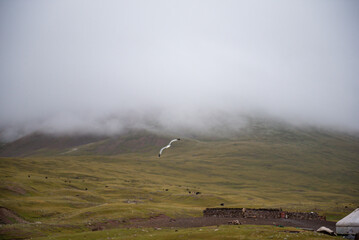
(188, 67)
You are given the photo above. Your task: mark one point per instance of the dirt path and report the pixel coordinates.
(163, 221)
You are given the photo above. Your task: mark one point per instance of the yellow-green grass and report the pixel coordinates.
(220, 232)
(308, 175)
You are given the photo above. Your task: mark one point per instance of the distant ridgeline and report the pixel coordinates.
(260, 213)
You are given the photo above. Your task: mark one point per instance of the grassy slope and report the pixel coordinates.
(294, 170)
(222, 232)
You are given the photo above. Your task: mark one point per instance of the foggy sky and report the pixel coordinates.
(100, 66)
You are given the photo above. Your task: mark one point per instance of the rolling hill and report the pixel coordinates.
(80, 180)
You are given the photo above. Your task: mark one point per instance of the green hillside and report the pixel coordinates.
(121, 177)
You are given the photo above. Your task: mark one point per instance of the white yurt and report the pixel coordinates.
(349, 224)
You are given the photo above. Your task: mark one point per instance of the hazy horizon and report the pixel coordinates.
(103, 66)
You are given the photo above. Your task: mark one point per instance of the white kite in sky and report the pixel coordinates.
(169, 145)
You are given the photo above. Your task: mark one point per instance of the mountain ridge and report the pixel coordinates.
(142, 140)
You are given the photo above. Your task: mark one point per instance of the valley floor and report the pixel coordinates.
(163, 227)
(163, 221)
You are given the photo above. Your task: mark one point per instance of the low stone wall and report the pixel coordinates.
(259, 213)
(306, 216)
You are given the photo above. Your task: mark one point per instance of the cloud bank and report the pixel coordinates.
(102, 66)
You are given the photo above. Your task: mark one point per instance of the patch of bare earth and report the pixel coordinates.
(15, 189)
(9, 217)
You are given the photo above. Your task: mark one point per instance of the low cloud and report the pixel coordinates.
(105, 67)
